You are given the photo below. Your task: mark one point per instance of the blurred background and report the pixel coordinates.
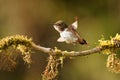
(34, 18)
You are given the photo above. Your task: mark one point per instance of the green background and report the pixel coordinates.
(34, 18)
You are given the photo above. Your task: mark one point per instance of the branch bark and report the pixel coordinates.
(43, 49)
(84, 53)
(67, 54)
(112, 44)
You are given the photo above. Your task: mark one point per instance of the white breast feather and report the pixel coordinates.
(68, 36)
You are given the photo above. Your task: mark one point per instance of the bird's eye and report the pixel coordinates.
(59, 24)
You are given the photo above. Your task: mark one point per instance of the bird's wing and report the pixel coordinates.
(80, 39)
(74, 25)
(60, 39)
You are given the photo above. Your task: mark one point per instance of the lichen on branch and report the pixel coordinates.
(110, 48)
(51, 71)
(8, 59)
(56, 56)
(110, 45)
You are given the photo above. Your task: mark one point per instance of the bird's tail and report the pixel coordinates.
(82, 41)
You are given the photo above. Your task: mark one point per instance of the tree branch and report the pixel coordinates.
(66, 53)
(84, 53)
(56, 56)
(108, 45)
(43, 49)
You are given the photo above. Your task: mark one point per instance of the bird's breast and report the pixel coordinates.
(68, 36)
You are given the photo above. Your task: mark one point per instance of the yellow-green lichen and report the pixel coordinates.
(14, 41)
(56, 50)
(113, 63)
(111, 45)
(51, 71)
(8, 56)
(117, 37)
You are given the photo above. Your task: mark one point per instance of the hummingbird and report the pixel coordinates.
(69, 33)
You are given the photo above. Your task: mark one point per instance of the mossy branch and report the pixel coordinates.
(57, 56)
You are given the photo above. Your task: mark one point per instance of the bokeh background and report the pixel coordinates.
(34, 18)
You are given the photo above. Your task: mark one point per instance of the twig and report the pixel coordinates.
(43, 49)
(84, 53)
(67, 54)
(109, 45)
